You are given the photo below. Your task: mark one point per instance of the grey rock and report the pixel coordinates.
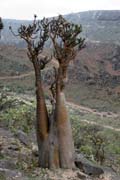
(23, 138)
(7, 164)
(86, 166)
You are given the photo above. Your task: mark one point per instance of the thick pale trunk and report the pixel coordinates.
(42, 124)
(66, 146)
(65, 140)
(53, 144)
(54, 134)
(46, 130)
(42, 127)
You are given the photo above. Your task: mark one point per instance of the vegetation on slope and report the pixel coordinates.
(96, 141)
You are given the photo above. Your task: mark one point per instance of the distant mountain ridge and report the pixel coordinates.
(101, 26)
(101, 15)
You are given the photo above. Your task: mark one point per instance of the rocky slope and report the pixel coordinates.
(94, 82)
(100, 26)
(98, 63)
(94, 77)
(18, 149)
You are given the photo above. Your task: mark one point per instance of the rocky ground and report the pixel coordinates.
(18, 161)
(18, 151)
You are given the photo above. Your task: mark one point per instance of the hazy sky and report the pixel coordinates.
(25, 9)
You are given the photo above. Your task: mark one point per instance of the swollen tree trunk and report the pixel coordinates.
(42, 124)
(46, 129)
(54, 134)
(53, 143)
(65, 140)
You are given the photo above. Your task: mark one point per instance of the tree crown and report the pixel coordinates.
(65, 37)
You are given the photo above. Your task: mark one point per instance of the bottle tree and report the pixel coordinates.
(53, 129)
(66, 41)
(35, 35)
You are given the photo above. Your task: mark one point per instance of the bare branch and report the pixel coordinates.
(53, 85)
(43, 61)
(35, 35)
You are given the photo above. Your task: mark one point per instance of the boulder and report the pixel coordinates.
(23, 138)
(86, 166)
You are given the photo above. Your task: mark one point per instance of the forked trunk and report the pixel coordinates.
(54, 134)
(46, 130)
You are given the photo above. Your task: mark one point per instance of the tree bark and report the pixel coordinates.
(54, 134)
(65, 140)
(42, 121)
(46, 129)
(53, 141)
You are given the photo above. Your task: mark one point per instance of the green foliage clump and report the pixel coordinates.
(16, 114)
(87, 150)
